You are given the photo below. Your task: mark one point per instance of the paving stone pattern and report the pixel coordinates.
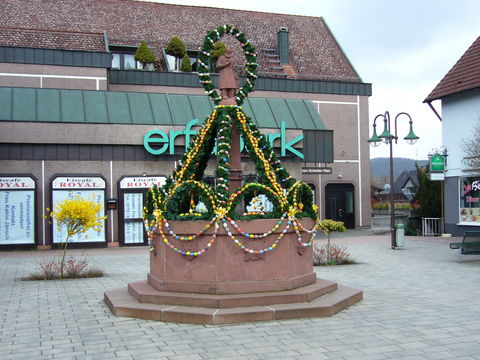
(421, 302)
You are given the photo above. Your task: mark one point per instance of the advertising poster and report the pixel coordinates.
(69, 187)
(470, 200)
(134, 232)
(133, 205)
(17, 224)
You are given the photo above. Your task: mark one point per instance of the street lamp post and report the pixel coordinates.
(388, 138)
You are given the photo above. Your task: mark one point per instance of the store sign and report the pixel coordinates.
(17, 210)
(317, 170)
(437, 167)
(72, 182)
(157, 142)
(436, 176)
(141, 182)
(469, 200)
(16, 182)
(437, 163)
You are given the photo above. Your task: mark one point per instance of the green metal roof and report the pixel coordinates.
(24, 55)
(111, 107)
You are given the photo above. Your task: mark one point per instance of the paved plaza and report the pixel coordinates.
(421, 302)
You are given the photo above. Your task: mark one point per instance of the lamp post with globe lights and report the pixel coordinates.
(387, 137)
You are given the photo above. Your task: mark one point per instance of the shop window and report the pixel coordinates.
(470, 200)
(123, 58)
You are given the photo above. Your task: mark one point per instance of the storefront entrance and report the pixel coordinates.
(339, 204)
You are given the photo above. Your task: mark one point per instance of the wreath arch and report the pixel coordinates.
(250, 69)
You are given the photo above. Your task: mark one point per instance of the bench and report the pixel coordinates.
(470, 244)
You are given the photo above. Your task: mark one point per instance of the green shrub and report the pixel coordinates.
(176, 47)
(186, 66)
(381, 206)
(218, 49)
(328, 226)
(144, 54)
(403, 206)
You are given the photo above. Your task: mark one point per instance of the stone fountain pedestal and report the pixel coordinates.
(227, 285)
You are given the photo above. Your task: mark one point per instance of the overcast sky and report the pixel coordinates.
(403, 48)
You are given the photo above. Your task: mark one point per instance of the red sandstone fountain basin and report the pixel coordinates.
(225, 268)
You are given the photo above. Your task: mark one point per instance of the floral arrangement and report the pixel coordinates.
(176, 200)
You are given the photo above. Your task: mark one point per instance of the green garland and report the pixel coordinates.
(224, 156)
(205, 55)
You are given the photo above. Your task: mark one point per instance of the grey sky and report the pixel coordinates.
(403, 48)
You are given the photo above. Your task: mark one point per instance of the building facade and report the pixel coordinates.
(459, 93)
(78, 115)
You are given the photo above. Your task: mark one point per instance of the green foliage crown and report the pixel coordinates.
(176, 47)
(144, 54)
(186, 66)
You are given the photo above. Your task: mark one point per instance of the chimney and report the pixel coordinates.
(283, 47)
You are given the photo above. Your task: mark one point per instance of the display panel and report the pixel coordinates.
(133, 232)
(133, 203)
(91, 235)
(17, 224)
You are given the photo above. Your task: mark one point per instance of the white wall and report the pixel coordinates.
(460, 114)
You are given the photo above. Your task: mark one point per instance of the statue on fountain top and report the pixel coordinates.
(228, 80)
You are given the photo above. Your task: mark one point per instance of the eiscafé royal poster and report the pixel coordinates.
(17, 207)
(87, 187)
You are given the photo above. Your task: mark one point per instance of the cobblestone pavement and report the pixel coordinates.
(421, 302)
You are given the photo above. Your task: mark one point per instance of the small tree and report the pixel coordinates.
(427, 195)
(176, 48)
(328, 226)
(471, 148)
(219, 49)
(144, 54)
(186, 66)
(78, 215)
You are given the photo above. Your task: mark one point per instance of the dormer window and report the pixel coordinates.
(173, 64)
(123, 57)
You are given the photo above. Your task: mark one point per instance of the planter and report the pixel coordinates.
(227, 269)
(149, 67)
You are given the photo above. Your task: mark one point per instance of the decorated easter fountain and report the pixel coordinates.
(230, 252)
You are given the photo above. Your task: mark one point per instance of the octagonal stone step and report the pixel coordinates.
(122, 303)
(145, 293)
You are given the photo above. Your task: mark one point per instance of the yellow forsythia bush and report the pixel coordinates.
(78, 215)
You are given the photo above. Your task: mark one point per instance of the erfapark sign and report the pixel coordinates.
(141, 182)
(78, 182)
(157, 142)
(14, 182)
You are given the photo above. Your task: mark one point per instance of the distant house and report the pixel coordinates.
(403, 188)
(459, 93)
(405, 185)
